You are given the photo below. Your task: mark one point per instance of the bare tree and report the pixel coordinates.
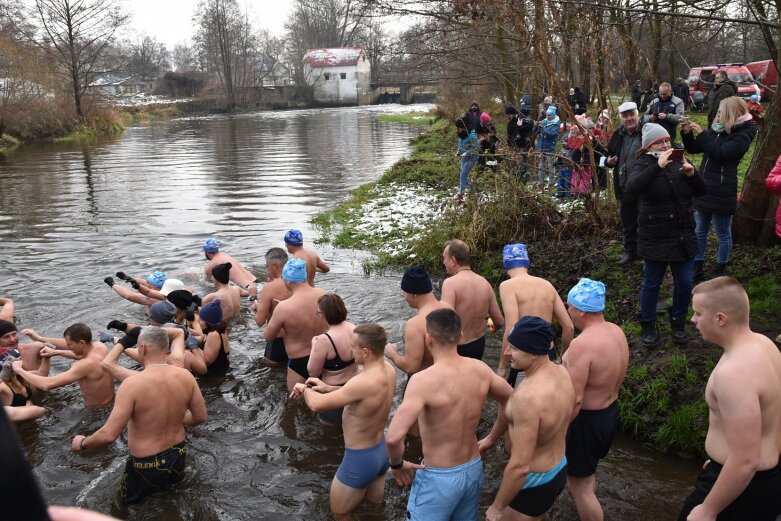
(184, 58)
(148, 57)
(75, 34)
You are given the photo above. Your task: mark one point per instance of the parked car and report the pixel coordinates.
(701, 79)
(766, 75)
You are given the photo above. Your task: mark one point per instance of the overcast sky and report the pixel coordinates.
(170, 21)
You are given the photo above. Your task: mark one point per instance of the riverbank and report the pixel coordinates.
(407, 215)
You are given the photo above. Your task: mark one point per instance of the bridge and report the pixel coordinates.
(407, 81)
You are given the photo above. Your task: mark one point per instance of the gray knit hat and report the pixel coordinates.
(653, 133)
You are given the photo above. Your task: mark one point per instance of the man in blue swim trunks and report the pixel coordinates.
(538, 413)
(367, 399)
(446, 400)
(596, 361)
(294, 321)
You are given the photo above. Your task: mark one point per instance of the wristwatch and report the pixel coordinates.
(397, 466)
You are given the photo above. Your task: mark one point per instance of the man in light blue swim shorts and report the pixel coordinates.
(545, 399)
(367, 399)
(446, 400)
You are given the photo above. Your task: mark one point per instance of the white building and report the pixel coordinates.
(339, 75)
(115, 86)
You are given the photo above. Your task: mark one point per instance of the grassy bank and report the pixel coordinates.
(8, 143)
(414, 118)
(407, 215)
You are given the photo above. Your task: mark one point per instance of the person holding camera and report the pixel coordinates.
(665, 109)
(723, 146)
(665, 185)
(519, 134)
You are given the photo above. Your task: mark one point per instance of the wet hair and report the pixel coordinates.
(154, 337)
(78, 332)
(459, 250)
(276, 256)
(444, 326)
(725, 295)
(730, 109)
(333, 309)
(372, 336)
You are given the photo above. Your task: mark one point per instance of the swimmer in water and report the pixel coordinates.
(230, 296)
(366, 399)
(238, 274)
(294, 242)
(148, 291)
(154, 404)
(274, 291)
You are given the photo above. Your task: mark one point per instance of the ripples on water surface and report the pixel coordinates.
(73, 213)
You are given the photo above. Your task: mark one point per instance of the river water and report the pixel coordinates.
(74, 213)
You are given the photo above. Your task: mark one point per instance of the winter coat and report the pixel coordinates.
(472, 120)
(469, 146)
(773, 185)
(673, 107)
(665, 222)
(721, 154)
(548, 134)
(681, 90)
(624, 146)
(519, 132)
(718, 93)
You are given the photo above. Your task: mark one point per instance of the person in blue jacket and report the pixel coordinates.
(547, 138)
(469, 152)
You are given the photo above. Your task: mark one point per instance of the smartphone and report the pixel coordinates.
(677, 155)
(685, 119)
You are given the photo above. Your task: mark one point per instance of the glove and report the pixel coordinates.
(117, 324)
(121, 275)
(197, 301)
(109, 281)
(134, 284)
(190, 313)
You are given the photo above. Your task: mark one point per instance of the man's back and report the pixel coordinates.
(160, 395)
(527, 295)
(238, 273)
(312, 260)
(297, 316)
(453, 393)
(363, 421)
(415, 333)
(605, 352)
(230, 301)
(471, 296)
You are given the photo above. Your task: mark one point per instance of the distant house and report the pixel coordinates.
(274, 73)
(119, 86)
(339, 75)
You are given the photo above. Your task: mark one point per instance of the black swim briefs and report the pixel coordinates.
(589, 438)
(760, 501)
(143, 476)
(473, 349)
(299, 365)
(275, 351)
(535, 501)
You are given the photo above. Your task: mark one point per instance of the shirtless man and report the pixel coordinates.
(367, 399)
(523, 294)
(471, 296)
(447, 400)
(294, 242)
(596, 361)
(274, 291)
(230, 296)
(418, 293)
(7, 309)
(239, 275)
(742, 478)
(97, 386)
(294, 321)
(154, 404)
(29, 353)
(149, 291)
(538, 413)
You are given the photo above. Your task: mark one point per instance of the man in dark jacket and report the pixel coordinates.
(722, 88)
(665, 110)
(579, 102)
(621, 155)
(472, 118)
(681, 90)
(519, 134)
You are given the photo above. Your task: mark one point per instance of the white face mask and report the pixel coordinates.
(655, 154)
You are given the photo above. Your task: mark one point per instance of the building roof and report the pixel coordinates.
(333, 57)
(111, 80)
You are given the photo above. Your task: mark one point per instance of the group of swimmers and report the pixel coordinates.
(558, 413)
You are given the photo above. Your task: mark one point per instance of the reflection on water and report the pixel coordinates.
(73, 213)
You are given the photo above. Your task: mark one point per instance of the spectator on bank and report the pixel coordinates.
(519, 135)
(547, 140)
(637, 93)
(723, 146)
(621, 156)
(468, 151)
(665, 190)
(542, 109)
(755, 108)
(486, 135)
(722, 89)
(471, 117)
(571, 141)
(681, 90)
(665, 109)
(577, 101)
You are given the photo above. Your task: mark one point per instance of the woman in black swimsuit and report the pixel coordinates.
(216, 346)
(15, 392)
(331, 358)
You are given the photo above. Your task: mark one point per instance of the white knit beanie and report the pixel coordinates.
(653, 133)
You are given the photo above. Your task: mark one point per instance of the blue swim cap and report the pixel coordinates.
(532, 335)
(294, 270)
(588, 296)
(294, 238)
(515, 256)
(211, 245)
(754, 97)
(156, 278)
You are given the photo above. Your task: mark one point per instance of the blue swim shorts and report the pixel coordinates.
(362, 466)
(446, 493)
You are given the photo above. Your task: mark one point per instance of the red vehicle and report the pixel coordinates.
(701, 79)
(766, 74)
